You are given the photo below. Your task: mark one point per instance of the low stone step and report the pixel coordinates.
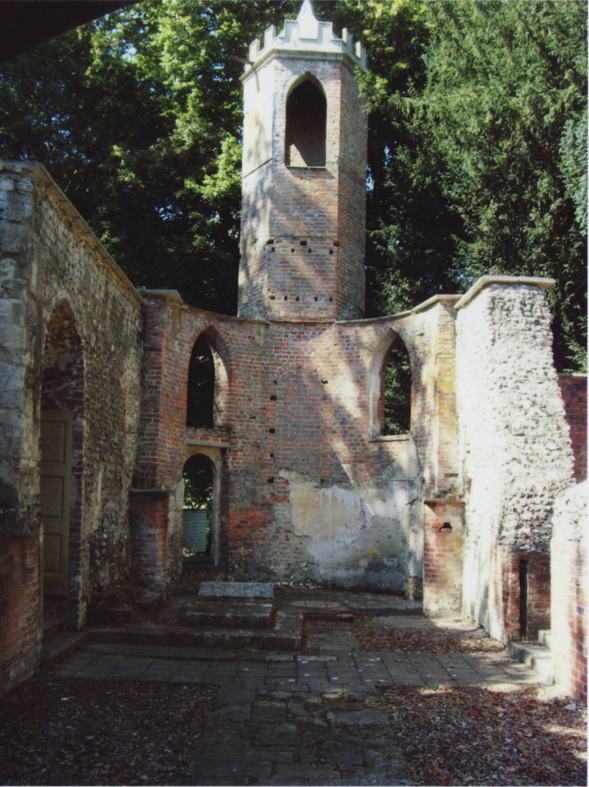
(384, 605)
(59, 646)
(110, 614)
(213, 637)
(52, 627)
(538, 657)
(242, 590)
(228, 615)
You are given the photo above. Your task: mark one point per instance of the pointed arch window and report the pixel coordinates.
(395, 391)
(306, 123)
(208, 382)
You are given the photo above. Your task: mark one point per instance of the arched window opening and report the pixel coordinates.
(198, 514)
(306, 118)
(395, 391)
(201, 385)
(61, 465)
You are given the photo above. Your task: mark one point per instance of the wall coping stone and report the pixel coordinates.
(44, 180)
(168, 295)
(507, 281)
(421, 307)
(196, 311)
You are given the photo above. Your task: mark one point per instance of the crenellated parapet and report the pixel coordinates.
(306, 36)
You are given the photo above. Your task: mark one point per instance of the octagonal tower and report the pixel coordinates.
(303, 175)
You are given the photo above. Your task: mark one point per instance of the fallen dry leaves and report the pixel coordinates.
(476, 736)
(88, 732)
(381, 638)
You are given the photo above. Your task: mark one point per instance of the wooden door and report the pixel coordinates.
(56, 485)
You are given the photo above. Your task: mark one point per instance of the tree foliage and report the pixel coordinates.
(503, 109)
(476, 141)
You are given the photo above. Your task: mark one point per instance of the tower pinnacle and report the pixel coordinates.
(306, 11)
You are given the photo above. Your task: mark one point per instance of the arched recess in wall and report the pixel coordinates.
(200, 509)
(208, 382)
(390, 389)
(306, 124)
(62, 464)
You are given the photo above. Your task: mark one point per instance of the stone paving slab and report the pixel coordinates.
(295, 718)
(303, 673)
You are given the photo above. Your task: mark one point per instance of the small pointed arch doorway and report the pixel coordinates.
(201, 509)
(306, 124)
(62, 466)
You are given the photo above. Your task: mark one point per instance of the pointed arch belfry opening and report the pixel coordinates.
(306, 124)
(62, 461)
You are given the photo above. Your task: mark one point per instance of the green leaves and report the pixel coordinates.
(476, 149)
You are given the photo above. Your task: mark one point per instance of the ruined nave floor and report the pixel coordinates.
(118, 712)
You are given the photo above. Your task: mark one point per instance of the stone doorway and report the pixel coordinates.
(200, 514)
(61, 468)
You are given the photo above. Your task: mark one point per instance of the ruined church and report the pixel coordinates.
(97, 426)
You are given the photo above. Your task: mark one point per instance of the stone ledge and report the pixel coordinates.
(152, 491)
(193, 441)
(508, 281)
(391, 438)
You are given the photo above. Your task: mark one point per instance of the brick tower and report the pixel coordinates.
(304, 175)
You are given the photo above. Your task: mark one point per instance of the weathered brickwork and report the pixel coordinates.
(569, 591)
(525, 580)
(60, 297)
(20, 633)
(442, 560)
(573, 388)
(305, 484)
(302, 228)
(515, 449)
(309, 490)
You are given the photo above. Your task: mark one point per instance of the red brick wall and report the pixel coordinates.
(149, 538)
(442, 557)
(538, 594)
(303, 229)
(20, 610)
(574, 394)
(296, 412)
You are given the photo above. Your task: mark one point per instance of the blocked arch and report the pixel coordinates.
(220, 373)
(63, 392)
(305, 134)
(391, 344)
